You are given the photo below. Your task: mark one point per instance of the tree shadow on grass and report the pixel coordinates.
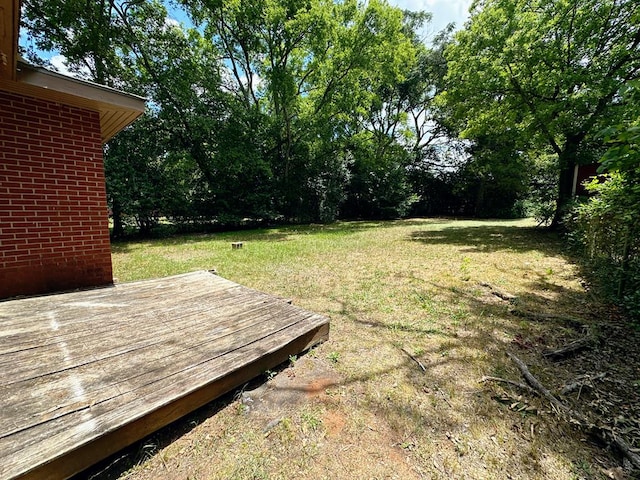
(531, 336)
(492, 238)
(423, 375)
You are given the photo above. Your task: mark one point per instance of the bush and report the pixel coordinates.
(606, 228)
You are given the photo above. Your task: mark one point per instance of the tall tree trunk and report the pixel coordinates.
(567, 159)
(116, 211)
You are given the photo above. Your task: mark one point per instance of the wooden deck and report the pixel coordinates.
(85, 374)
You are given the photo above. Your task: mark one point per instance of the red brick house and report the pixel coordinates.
(54, 230)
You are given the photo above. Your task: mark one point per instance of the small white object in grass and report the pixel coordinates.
(236, 245)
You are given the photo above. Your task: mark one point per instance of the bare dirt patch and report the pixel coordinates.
(306, 381)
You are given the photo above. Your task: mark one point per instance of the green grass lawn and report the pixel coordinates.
(392, 288)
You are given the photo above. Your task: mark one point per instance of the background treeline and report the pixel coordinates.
(315, 110)
(290, 111)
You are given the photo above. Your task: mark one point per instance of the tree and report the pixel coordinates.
(317, 73)
(85, 33)
(193, 130)
(264, 109)
(138, 187)
(548, 71)
(379, 133)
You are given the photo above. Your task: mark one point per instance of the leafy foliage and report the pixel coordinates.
(312, 110)
(607, 226)
(547, 72)
(607, 229)
(302, 110)
(623, 139)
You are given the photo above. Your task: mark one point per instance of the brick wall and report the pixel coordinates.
(53, 214)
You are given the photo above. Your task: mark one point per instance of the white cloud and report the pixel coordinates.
(59, 63)
(171, 22)
(444, 11)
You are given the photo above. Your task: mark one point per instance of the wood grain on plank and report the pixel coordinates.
(84, 374)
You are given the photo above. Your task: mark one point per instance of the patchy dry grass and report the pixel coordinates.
(359, 406)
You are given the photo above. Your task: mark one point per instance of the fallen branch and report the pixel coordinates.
(422, 367)
(581, 382)
(570, 348)
(604, 434)
(536, 385)
(499, 293)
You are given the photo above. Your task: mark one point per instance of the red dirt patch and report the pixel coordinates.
(334, 423)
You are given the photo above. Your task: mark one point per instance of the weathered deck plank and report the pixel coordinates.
(84, 374)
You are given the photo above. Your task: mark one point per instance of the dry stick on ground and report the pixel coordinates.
(422, 367)
(570, 348)
(499, 293)
(606, 435)
(581, 382)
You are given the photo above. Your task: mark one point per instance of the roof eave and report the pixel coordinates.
(117, 109)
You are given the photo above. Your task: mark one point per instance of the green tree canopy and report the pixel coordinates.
(549, 72)
(299, 110)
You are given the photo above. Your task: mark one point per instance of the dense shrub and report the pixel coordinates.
(606, 227)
